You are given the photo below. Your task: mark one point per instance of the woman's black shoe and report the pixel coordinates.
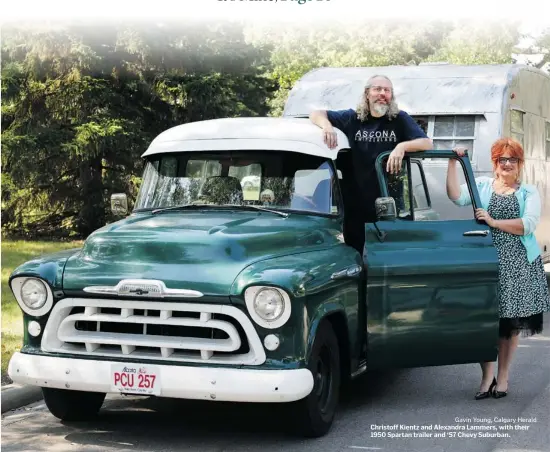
(483, 395)
(498, 394)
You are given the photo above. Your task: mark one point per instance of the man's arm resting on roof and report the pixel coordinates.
(417, 145)
(320, 118)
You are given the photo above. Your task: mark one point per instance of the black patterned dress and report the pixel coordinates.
(523, 290)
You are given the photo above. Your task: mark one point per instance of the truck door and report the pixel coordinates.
(432, 271)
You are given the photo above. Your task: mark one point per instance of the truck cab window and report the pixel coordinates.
(398, 189)
(202, 169)
(420, 194)
(420, 191)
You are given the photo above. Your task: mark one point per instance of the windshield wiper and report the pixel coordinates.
(260, 208)
(226, 206)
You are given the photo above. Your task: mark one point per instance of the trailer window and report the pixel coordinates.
(451, 131)
(516, 125)
(423, 122)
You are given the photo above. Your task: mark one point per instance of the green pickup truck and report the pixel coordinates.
(231, 279)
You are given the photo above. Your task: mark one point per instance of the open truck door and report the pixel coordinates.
(432, 270)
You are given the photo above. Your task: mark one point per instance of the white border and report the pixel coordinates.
(532, 12)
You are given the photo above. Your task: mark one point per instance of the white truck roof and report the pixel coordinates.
(426, 89)
(233, 134)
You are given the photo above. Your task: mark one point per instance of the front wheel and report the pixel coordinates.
(316, 411)
(72, 405)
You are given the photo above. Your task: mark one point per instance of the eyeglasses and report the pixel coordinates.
(504, 160)
(378, 89)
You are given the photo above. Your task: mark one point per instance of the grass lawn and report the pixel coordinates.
(14, 253)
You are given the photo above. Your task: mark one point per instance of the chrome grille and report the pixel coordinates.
(187, 332)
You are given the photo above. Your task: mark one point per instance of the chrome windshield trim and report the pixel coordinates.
(150, 288)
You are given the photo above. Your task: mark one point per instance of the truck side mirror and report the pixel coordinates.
(385, 209)
(119, 204)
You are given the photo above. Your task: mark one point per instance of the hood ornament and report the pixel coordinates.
(150, 288)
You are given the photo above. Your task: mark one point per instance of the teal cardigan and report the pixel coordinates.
(529, 210)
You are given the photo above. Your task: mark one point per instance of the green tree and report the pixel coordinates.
(478, 44)
(80, 105)
(296, 50)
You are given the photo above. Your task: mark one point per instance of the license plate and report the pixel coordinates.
(135, 379)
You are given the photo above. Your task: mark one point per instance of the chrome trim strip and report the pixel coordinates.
(150, 288)
(348, 272)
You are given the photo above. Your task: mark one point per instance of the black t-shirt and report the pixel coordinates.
(369, 139)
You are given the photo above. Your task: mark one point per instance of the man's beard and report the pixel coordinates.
(380, 109)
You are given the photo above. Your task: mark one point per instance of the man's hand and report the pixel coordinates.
(482, 214)
(395, 159)
(329, 137)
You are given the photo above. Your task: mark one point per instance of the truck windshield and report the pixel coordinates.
(276, 180)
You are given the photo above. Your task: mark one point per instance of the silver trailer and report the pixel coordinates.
(456, 105)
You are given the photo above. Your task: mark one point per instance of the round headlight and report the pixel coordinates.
(269, 307)
(34, 293)
(269, 304)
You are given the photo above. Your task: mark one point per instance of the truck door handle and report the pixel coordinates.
(481, 233)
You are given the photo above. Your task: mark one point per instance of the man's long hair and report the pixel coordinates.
(363, 109)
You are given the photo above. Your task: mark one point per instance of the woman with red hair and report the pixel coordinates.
(512, 210)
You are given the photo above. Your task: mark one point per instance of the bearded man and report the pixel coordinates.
(378, 125)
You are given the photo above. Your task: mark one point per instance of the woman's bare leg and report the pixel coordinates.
(507, 347)
(487, 375)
